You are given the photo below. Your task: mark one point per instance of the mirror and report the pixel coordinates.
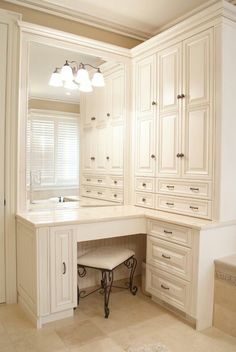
(74, 139)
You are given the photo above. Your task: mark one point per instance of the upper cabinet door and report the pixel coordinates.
(87, 109)
(197, 118)
(102, 148)
(88, 151)
(100, 105)
(145, 87)
(169, 82)
(118, 93)
(197, 66)
(116, 148)
(169, 108)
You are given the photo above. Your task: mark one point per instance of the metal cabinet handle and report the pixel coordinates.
(144, 200)
(154, 103)
(180, 155)
(88, 179)
(144, 185)
(88, 191)
(64, 268)
(92, 158)
(194, 189)
(93, 118)
(99, 180)
(165, 256)
(115, 195)
(193, 208)
(182, 96)
(100, 193)
(168, 232)
(170, 187)
(115, 182)
(153, 156)
(108, 114)
(179, 96)
(165, 287)
(171, 204)
(107, 157)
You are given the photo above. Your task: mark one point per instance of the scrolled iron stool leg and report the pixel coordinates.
(107, 281)
(81, 271)
(131, 264)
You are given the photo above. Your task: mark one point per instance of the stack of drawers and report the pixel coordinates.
(183, 197)
(106, 187)
(169, 263)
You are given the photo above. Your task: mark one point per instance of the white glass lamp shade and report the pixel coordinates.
(55, 79)
(82, 75)
(98, 79)
(86, 87)
(71, 85)
(67, 73)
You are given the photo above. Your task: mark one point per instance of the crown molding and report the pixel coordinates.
(54, 100)
(84, 18)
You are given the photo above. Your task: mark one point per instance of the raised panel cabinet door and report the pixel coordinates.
(118, 95)
(145, 149)
(90, 109)
(145, 87)
(169, 89)
(63, 278)
(197, 68)
(168, 146)
(197, 143)
(88, 151)
(102, 148)
(100, 105)
(116, 142)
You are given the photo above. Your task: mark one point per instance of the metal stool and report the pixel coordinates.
(106, 259)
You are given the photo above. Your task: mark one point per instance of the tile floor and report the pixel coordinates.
(134, 320)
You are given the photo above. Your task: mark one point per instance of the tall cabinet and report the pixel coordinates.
(174, 121)
(102, 132)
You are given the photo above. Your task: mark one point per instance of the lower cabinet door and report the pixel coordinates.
(63, 260)
(168, 288)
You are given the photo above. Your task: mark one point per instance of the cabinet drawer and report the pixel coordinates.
(145, 199)
(101, 180)
(145, 184)
(116, 195)
(192, 207)
(89, 180)
(116, 181)
(172, 233)
(185, 188)
(94, 192)
(168, 288)
(175, 259)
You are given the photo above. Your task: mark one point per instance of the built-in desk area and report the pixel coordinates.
(47, 257)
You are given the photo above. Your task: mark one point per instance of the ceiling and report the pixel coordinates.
(136, 18)
(43, 60)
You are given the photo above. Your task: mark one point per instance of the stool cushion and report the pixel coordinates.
(105, 257)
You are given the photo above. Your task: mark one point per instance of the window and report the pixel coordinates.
(52, 149)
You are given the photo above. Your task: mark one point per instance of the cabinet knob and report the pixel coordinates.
(182, 96)
(144, 200)
(115, 182)
(179, 96)
(153, 156)
(154, 103)
(107, 157)
(115, 195)
(180, 155)
(92, 158)
(108, 114)
(93, 118)
(144, 184)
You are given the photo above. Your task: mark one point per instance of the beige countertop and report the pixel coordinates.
(59, 217)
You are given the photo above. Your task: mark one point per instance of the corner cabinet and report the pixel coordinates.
(174, 126)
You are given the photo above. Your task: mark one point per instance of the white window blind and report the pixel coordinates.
(53, 149)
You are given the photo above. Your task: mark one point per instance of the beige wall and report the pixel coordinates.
(48, 20)
(53, 105)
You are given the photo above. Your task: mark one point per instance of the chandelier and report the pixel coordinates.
(75, 76)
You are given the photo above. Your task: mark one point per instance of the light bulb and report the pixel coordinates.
(82, 75)
(70, 85)
(98, 79)
(55, 79)
(86, 87)
(66, 72)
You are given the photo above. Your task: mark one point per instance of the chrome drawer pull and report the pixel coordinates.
(171, 204)
(193, 208)
(168, 232)
(194, 189)
(64, 268)
(170, 187)
(165, 256)
(165, 287)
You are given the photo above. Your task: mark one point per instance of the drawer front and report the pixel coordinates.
(116, 181)
(116, 195)
(146, 200)
(175, 259)
(145, 184)
(192, 207)
(185, 188)
(94, 192)
(101, 181)
(172, 233)
(89, 180)
(166, 287)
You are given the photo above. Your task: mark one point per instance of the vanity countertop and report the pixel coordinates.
(98, 214)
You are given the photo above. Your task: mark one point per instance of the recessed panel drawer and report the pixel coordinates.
(170, 232)
(115, 181)
(146, 200)
(185, 188)
(88, 179)
(145, 184)
(101, 181)
(168, 288)
(116, 195)
(186, 206)
(175, 259)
